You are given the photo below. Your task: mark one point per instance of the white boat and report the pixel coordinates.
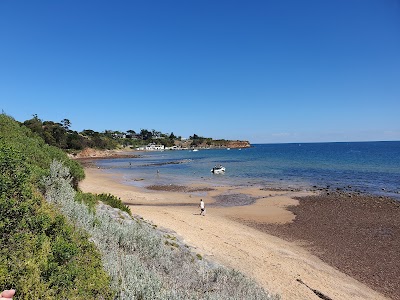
(195, 150)
(218, 169)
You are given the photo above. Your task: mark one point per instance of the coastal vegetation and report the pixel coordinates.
(60, 243)
(60, 134)
(42, 255)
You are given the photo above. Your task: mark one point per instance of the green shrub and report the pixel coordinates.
(38, 155)
(89, 199)
(114, 201)
(92, 199)
(41, 254)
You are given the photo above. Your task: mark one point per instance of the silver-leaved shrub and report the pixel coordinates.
(141, 264)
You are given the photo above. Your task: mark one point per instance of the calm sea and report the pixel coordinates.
(371, 167)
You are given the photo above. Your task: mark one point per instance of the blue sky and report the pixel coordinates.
(263, 71)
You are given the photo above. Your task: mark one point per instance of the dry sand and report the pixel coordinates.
(221, 235)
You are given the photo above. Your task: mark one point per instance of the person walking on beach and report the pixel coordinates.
(202, 208)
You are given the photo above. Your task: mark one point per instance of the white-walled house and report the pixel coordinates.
(154, 147)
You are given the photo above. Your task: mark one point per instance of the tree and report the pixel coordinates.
(109, 133)
(35, 124)
(54, 134)
(66, 124)
(89, 132)
(145, 134)
(76, 141)
(155, 134)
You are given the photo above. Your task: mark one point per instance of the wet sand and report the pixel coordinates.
(271, 236)
(359, 235)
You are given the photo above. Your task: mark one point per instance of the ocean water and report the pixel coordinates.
(369, 167)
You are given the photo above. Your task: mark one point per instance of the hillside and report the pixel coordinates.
(43, 255)
(62, 136)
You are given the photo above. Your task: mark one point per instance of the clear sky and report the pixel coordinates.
(265, 71)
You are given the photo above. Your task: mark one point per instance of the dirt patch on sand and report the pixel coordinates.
(178, 188)
(233, 200)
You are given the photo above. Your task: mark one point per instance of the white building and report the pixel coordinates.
(172, 148)
(154, 147)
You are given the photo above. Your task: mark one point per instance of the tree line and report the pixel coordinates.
(60, 134)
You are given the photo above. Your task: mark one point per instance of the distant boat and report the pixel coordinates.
(195, 150)
(218, 169)
(228, 148)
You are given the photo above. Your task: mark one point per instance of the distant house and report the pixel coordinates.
(119, 135)
(172, 148)
(154, 147)
(132, 136)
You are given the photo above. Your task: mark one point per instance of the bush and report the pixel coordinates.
(92, 199)
(114, 201)
(41, 254)
(89, 199)
(38, 155)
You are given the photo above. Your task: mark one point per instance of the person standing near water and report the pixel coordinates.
(202, 208)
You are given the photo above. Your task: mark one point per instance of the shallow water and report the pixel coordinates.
(370, 167)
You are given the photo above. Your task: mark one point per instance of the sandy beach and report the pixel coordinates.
(254, 235)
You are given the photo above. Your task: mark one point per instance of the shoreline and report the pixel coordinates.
(223, 236)
(88, 157)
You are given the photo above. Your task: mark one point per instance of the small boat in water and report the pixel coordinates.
(218, 169)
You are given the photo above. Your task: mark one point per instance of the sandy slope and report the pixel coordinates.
(274, 263)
